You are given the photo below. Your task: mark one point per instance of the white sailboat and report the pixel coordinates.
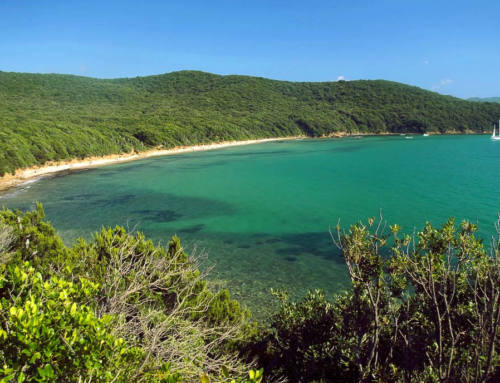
(493, 136)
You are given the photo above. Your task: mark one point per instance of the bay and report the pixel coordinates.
(261, 213)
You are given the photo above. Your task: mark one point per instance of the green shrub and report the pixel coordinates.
(426, 309)
(34, 239)
(163, 303)
(48, 333)
(313, 338)
(153, 298)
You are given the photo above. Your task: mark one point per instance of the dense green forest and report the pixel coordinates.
(485, 99)
(46, 117)
(117, 308)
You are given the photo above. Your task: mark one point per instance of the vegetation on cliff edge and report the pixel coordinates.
(120, 309)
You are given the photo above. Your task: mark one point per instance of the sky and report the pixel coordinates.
(451, 47)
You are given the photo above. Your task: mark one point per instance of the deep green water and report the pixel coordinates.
(262, 212)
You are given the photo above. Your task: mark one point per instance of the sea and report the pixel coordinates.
(261, 216)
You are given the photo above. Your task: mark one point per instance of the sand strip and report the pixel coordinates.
(25, 175)
(32, 173)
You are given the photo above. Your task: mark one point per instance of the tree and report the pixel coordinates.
(423, 308)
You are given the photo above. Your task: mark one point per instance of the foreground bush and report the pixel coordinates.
(117, 308)
(428, 310)
(162, 303)
(48, 334)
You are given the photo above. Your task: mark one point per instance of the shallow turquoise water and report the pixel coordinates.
(262, 212)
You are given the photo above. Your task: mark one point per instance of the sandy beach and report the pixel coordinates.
(26, 175)
(30, 174)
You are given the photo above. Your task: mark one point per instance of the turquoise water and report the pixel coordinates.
(262, 212)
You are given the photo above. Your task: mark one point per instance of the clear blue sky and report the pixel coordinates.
(448, 46)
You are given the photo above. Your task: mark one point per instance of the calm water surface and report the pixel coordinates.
(262, 212)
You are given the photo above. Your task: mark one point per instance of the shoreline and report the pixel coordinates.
(31, 174)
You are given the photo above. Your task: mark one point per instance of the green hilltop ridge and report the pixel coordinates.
(52, 117)
(485, 99)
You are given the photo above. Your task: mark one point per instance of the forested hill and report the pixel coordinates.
(485, 99)
(47, 117)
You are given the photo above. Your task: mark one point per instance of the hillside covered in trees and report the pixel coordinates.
(485, 99)
(50, 117)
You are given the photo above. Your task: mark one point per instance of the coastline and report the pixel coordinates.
(31, 174)
(27, 175)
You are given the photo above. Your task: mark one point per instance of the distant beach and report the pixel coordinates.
(31, 174)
